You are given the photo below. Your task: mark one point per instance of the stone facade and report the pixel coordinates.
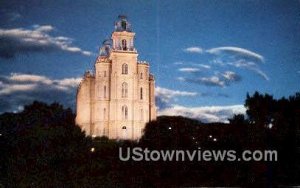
(117, 99)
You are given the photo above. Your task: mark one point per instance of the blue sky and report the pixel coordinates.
(205, 55)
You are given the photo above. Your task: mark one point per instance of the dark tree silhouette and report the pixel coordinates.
(42, 147)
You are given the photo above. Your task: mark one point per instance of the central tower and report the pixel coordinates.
(117, 100)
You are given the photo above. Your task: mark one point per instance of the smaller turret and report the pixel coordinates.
(106, 47)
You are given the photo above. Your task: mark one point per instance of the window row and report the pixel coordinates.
(104, 74)
(125, 70)
(124, 45)
(125, 113)
(124, 91)
(102, 92)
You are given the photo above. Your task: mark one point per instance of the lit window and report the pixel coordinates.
(124, 68)
(124, 25)
(104, 113)
(124, 90)
(124, 44)
(125, 112)
(141, 93)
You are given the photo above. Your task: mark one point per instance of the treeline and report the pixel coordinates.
(42, 147)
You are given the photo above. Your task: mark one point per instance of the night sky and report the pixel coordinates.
(205, 55)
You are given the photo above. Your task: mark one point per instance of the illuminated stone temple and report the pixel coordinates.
(117, 98)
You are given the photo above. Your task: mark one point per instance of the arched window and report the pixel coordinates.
(99, 92)
(104, 92)
(124, 44)
(124, 90)
(124, 68)
(124, 127)
(141, 75)
(124, 24)
(124, 112)
(141, 93)
(104, 113)
(142, 114)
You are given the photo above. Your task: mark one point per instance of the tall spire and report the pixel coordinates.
(123, 37)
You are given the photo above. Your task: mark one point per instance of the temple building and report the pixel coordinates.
(117, 98)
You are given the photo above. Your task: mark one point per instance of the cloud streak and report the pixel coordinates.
(203, 66)
(189, 69)
(236, 51)
(226, 57)
(218, 79)
(17, 90)
(239, 58)
(205, 113)
(21, 41)
(165, 96)
(249, 66)
(194, 49)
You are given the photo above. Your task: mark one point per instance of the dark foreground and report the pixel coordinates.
(42, 147)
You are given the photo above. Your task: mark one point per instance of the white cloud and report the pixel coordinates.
(261, 73)
(189, 69)
(164, 97)
(29, 78)
(212, 81)
(240, 58)
(16, 88)
(226, 55)
(194, 49)
(230, 76)
(87, 53)
(249, 65)
(70, 82)
(217, 79)
(178, 63)
(205, 113)
(236, 51)
(38, 79)
(20, 40)
(20, 89)
(167, 94)
(203, 66)
(182, 79)
(44, 28)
